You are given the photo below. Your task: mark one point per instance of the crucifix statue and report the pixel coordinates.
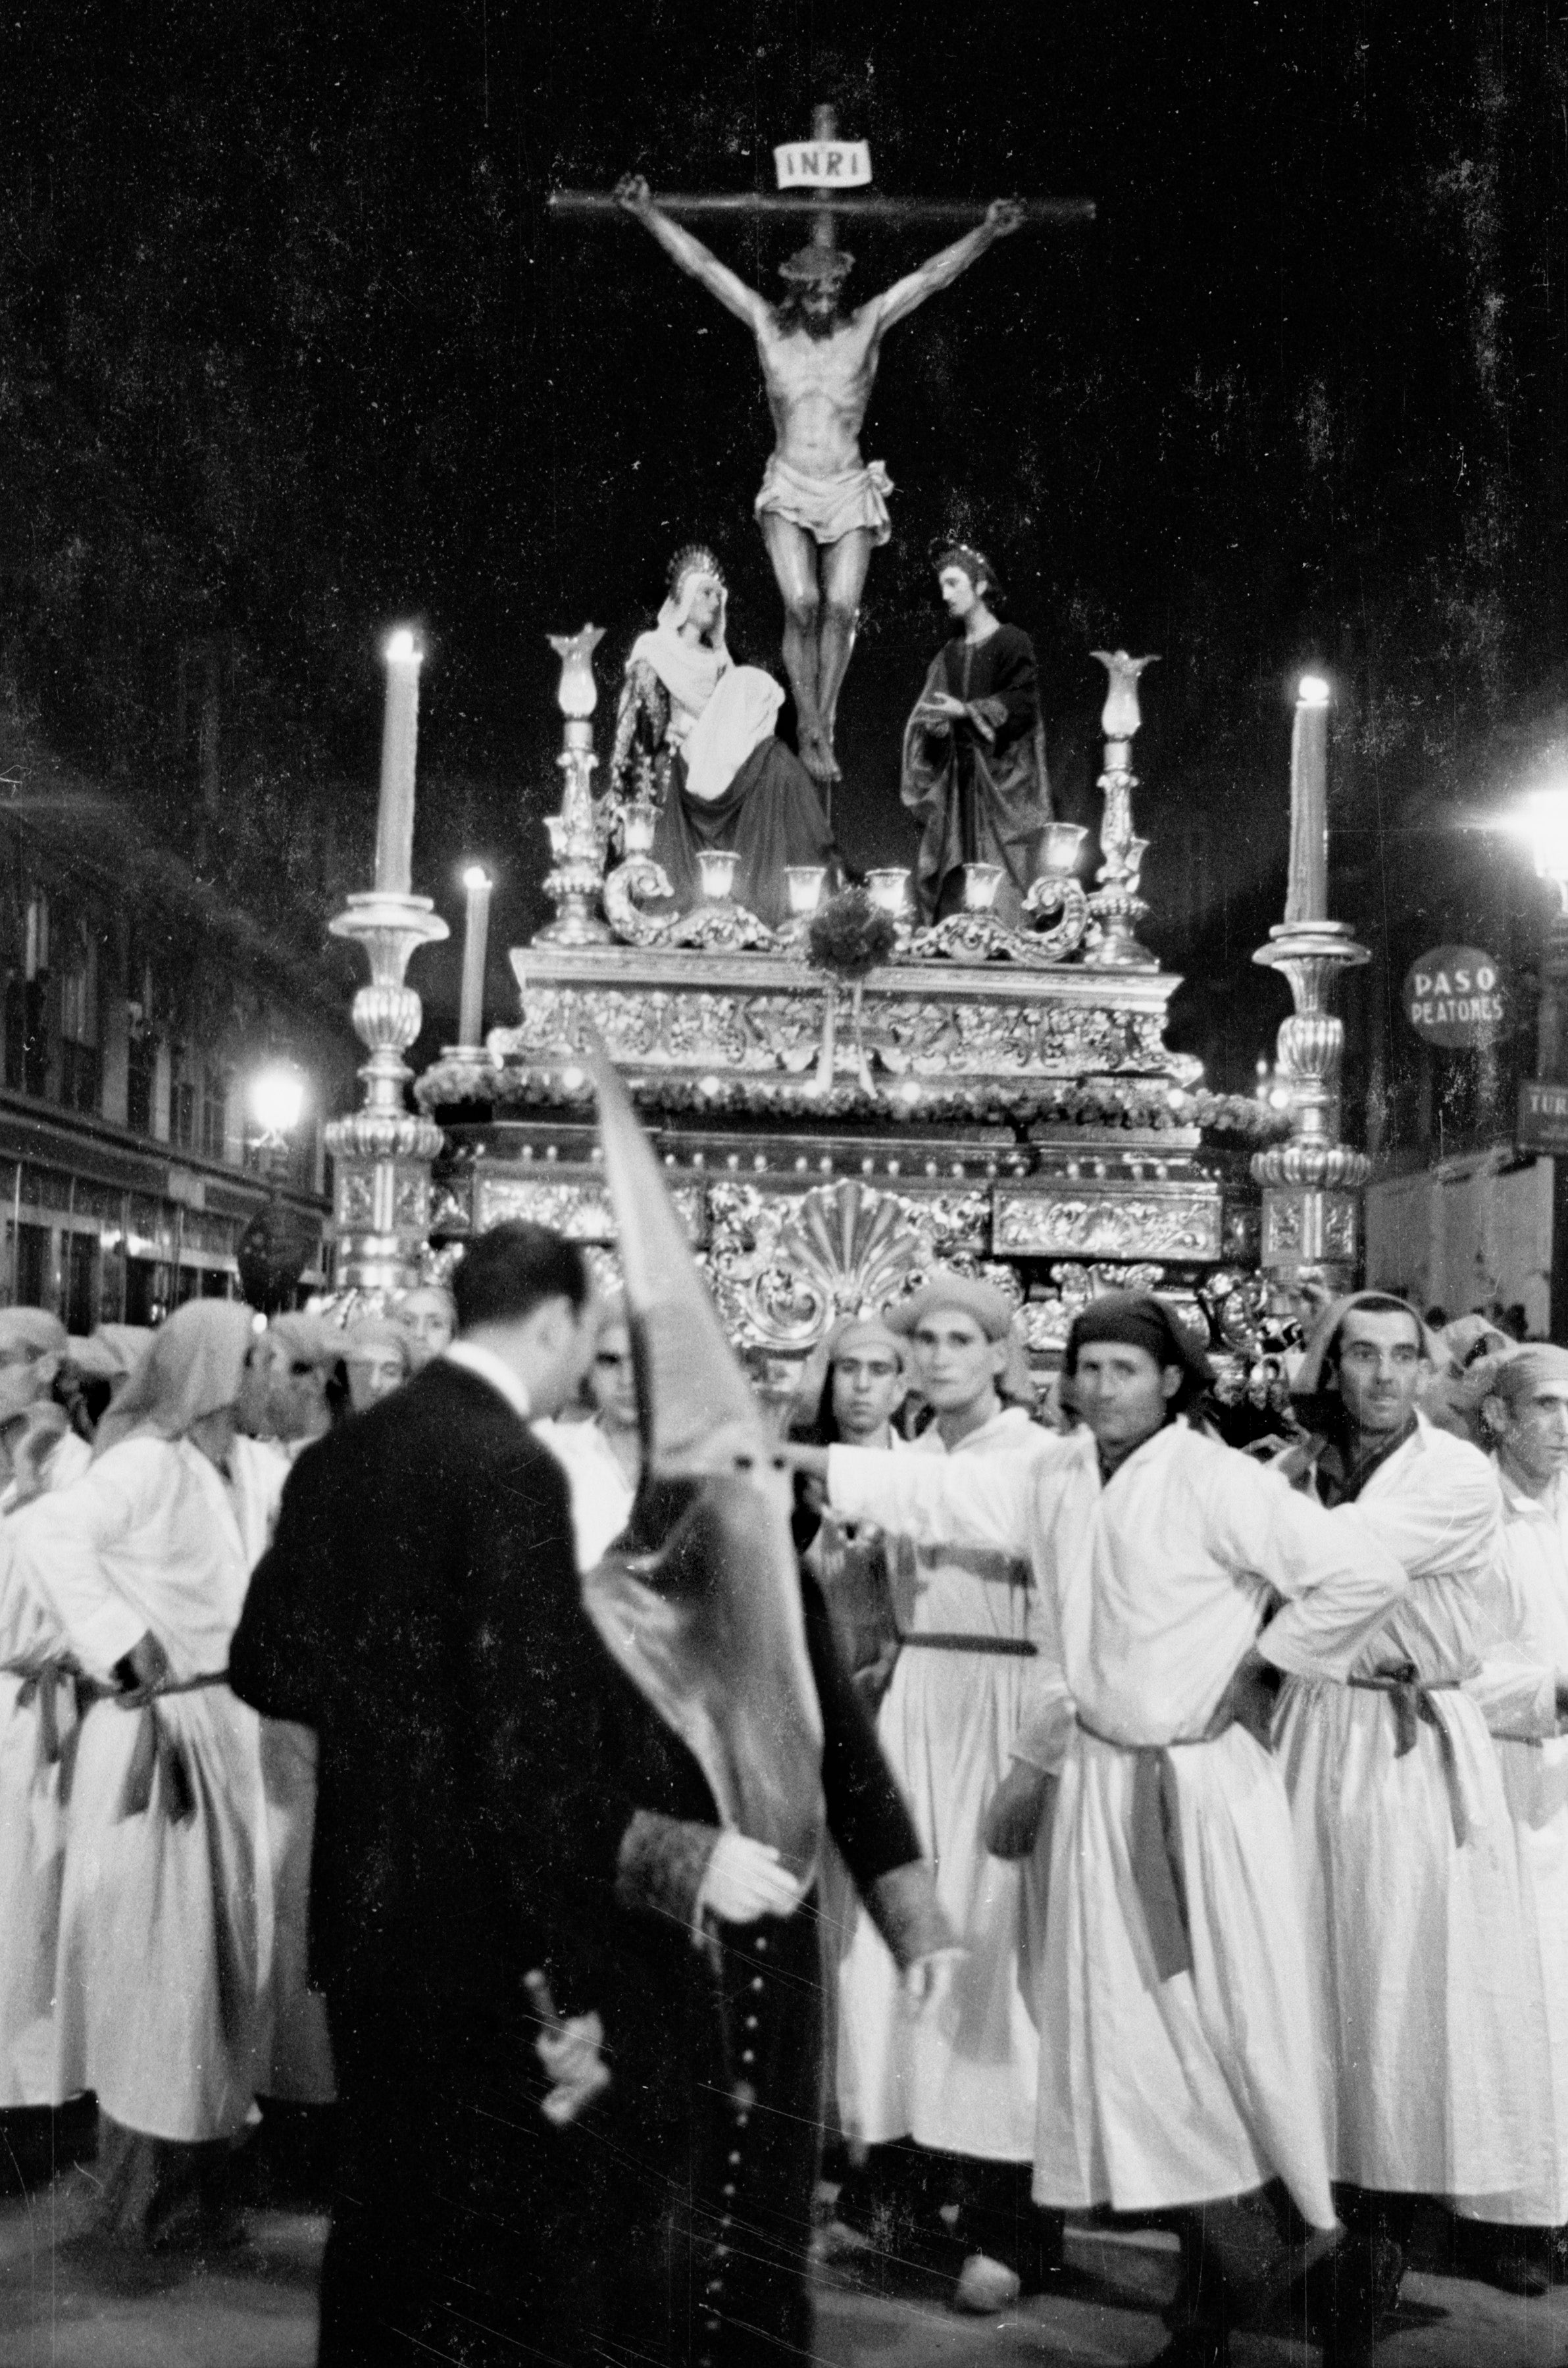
(823, 508)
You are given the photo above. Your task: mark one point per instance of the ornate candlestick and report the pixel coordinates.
(1116, 905)
(576, 841)
(382, 1152)
(1312, 1185)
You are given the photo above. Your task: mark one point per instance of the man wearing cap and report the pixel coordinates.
(852, 1386)
(961, 2085)
(1177, 2071)
(1404, 1843)
(28, 1333)
(819, 363)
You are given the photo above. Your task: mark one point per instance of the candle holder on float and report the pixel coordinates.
(716, 924)
(1116, 907)
(577, 834)
(636, 875)
(805, 884)
(468, 1057)
(1056, 888)
(975, 934)
(1313, 1183)
(889, 891)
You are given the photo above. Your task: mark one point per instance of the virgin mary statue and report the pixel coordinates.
(700, 728)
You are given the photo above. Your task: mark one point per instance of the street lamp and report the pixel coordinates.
(275, 1248)
(277, 1102)
(1543, 821)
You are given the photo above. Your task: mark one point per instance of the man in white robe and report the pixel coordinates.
(166, 1909)
(37, 1724)
(959, 2082)
(1410, 1895)
(1522, 1690)
(1177, 2072)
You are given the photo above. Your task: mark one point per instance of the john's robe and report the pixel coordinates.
(978, 782)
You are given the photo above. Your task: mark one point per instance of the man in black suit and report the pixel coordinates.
(421, 1610)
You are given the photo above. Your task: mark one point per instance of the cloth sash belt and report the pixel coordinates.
(943, 1640)
(1159, 1873)
(40, 1683)
(43, 1682)
(157, 1749)
(1413, 1708)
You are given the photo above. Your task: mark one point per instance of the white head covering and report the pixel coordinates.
(690, 671)
(32, 1328)
(193, 1368)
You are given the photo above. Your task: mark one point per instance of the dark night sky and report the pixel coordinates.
(289, 349)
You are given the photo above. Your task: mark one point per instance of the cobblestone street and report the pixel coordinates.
(257, 2310)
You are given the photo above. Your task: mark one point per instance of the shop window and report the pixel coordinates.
(31, 1262)
(81, 1282)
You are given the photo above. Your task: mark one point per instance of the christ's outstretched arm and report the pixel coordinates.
(1004, 216)
(633, 193)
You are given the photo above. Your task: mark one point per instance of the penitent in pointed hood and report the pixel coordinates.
(690, 1384)
(708, 1622)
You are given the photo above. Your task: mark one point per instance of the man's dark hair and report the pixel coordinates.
(504, 1275)
(789, 312)
(1372, 1303)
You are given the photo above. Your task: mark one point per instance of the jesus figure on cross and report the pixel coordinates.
(819, 362)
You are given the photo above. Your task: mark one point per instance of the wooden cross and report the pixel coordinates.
(821, 200)
(821, 508)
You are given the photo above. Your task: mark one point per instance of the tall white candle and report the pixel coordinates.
(1306, 893)
(400, 744)
(471, 1019)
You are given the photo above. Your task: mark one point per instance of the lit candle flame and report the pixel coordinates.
(1312, 691)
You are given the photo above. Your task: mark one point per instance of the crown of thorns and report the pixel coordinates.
(828, 266)
(695, 558)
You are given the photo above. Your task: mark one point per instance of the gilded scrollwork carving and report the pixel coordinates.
(1108, 1223)
(581, 1211)
(915, 1030)
(784, 1265)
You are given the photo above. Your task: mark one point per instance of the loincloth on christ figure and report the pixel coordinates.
(829, 507)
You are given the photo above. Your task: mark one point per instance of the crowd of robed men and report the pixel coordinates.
(1136, 1678)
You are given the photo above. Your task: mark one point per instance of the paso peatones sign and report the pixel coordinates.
(1454, 996)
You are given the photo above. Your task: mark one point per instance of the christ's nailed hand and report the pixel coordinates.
(1004, 215)
(632, 192)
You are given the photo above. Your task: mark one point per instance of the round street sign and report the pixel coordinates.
(1454, 996)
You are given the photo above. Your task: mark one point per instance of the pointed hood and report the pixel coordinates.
(707, 1620)
(692, 1390)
